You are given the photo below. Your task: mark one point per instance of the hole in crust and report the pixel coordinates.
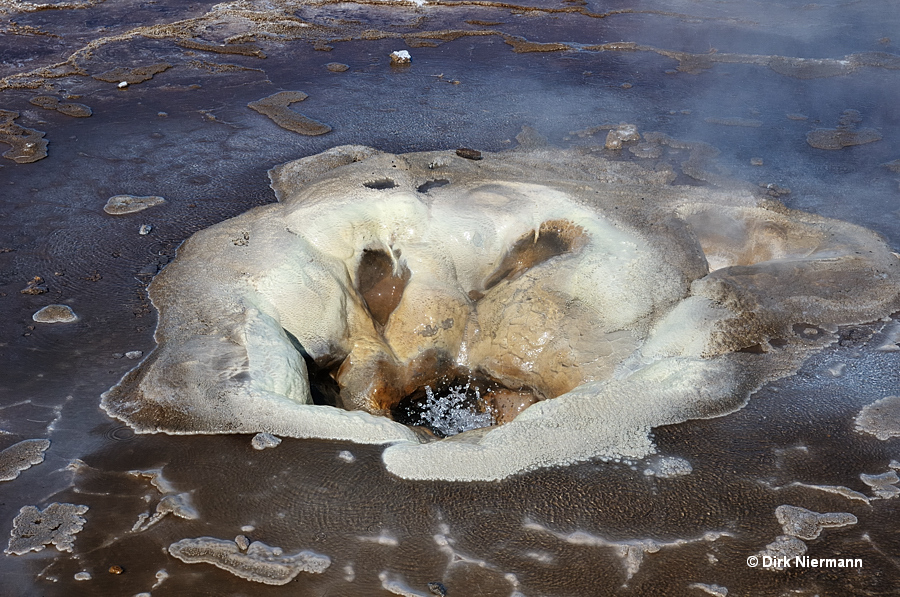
(323, 388)
(432, 184)
(380, 184)
(459, 402)
(379, 284)
(553, 238)
(431, 391)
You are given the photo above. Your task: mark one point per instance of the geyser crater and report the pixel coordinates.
(553, 305)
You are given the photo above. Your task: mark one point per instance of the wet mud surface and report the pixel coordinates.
(187, 135)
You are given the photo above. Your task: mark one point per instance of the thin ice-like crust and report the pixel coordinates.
(881, 418)
(660, 304)
(806, 524)
(128, 204)
(56, 524)
(259, 563)
(21, 456)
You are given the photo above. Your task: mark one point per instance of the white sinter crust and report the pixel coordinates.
(610, 299)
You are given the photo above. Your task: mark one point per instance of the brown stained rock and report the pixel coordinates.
(774, 190)
(219, 67)
(35, 286)
(506, 404)
(246, 49)
(553, 238)
(415, 42)
(337, 67)
(480, 23)
(133, 76)
(380, 285)
(276, 107)
(520, 45)
(27, 145)
(469, 154)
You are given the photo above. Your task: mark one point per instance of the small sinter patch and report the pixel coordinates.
(21, 456)
(259, 563)
(277, 108)
(881, 418)
(806, 524)
(55, 314)
(56, 524)
(26, 145)
(845, 135)
(127, 204)
(261, 441)
(132, 76)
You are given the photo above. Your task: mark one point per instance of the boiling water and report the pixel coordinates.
(454, 412)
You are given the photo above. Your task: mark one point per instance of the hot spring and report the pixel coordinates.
(542, 307)
(448, 298)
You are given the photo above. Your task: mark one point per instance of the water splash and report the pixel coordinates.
(454, 412)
